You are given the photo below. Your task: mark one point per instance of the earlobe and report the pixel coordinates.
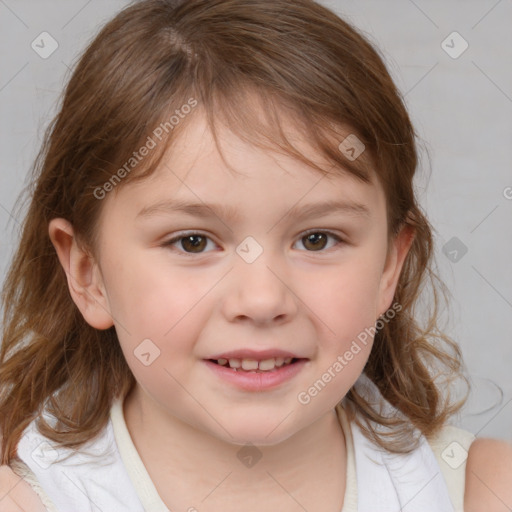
(84, 279)
(397, 254)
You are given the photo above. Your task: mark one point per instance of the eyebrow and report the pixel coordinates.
(231, 214)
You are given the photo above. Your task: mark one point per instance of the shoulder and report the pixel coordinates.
(16, 494)
(489, 476)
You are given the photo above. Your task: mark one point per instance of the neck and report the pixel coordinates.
(189, 466)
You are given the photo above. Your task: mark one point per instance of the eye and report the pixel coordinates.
(317, 240)
(192, 243)
(196, 243)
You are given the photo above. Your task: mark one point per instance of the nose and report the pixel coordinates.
(259, 292)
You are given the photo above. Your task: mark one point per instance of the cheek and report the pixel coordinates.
(347, 312)
(346, 299)
(158, 313)
(150, 299)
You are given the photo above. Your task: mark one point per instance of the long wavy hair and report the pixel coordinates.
(144, 66)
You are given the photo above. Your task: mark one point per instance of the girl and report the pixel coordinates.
(213, 301)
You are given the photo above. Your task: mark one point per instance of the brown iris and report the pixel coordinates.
(316, 241)
(193, 243)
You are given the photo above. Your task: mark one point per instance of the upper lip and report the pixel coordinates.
(257, 355)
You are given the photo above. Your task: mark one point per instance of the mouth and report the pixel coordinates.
(256, 375)
(256, 366)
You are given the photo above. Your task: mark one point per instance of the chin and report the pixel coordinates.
(258, 433)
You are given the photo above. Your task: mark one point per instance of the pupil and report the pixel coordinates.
(314, 238)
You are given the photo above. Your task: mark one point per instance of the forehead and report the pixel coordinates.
(247, 178)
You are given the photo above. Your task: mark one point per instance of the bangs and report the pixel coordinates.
(263, 119)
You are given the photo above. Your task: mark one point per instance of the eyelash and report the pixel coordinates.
(183, 235)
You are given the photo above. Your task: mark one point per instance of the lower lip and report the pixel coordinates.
(257, 381)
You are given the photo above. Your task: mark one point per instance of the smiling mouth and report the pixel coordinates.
(253, 366)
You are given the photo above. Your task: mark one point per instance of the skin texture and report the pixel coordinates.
(16, 495)
(188, 425)
(489, 476)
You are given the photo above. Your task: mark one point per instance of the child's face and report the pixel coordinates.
(223, 296)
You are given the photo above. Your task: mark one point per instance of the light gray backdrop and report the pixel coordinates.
(452, 60)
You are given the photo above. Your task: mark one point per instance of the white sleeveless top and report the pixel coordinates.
(107, 473)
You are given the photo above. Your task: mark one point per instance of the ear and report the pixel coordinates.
(397, 252)
(83, 274)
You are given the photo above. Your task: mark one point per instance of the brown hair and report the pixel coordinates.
(155, 56)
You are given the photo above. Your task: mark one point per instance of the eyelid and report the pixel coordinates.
(182, 234)
(339, 239)
(325, 231)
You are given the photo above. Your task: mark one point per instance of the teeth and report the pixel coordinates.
(253, 365)
(249, 364)
(267, 364)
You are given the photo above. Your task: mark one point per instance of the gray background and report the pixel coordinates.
(460, 104)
